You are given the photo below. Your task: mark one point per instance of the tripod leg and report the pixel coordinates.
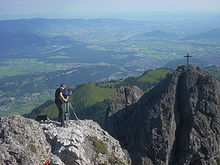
(71, 107)
(66, 113)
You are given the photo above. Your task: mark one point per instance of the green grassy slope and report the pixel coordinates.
(149, 79)
(84, 98)
(145, 82)
(89, 94)
(213, 71)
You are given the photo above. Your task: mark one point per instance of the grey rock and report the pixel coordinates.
(75, 144)
(176, 123)
(125, 96)
(83, 142)
(23, 142)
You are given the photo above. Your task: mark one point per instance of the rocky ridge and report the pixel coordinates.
(25, 141)
(125, 96)
(176, 123)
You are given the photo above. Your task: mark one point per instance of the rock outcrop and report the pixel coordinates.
(84, 142)
(25, 141)
(176, 123)
(125, 96)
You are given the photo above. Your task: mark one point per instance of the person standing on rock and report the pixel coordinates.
(59, 99)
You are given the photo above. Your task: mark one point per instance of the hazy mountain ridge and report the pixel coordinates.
(12, 39)
(209, 35)
(153, 34)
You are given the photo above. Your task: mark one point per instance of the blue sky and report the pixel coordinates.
(99, 8)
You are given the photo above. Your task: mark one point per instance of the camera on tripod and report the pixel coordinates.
(67, 92)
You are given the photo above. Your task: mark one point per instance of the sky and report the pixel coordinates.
(99, 8)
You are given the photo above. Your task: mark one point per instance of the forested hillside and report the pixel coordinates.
(213, 71)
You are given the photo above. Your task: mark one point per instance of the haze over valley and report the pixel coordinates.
(38, 54)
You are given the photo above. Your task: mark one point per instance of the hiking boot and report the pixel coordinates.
(62, 124)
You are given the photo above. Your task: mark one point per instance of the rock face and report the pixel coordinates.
(25, 141)
(84, 142)
(176, 123)
(125, 96)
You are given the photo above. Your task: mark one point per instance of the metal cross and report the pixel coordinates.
(187, 58)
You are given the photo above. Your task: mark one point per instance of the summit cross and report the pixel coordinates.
(187, 58)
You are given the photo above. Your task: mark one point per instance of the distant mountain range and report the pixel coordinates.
(152, 34)
(209, 35)
(62, 26)
(14, 40)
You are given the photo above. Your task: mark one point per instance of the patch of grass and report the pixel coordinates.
(217, 159)
(60, 57)
(104, 64)
(95, 47)
(168, 108)
(102, 148)
(114, 160)
(32, 148)
(122, 57)
(99, 145)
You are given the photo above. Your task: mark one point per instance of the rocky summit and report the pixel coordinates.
(176, 123)
(25, 141)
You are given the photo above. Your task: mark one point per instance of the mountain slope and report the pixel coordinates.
(91, 100)
(84, 97)
(9, 40)
(176, 123)
(213, 71)
(149, 35)
(210, 35)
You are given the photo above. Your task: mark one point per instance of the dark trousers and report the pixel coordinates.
(61, 113)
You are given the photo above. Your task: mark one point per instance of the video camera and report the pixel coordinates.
(67, 92)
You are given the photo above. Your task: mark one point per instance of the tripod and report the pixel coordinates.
(68, 108)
